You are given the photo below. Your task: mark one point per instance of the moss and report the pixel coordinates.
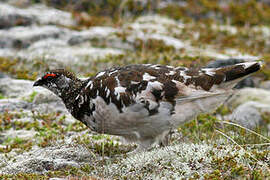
(266, 117)
(51, 127)
(108, 146)
(76, 127)
(216, 174)
(203, 129)
(2, 96)
(99, 137)
(152, 45)
(244, 40)
(86, 20)
(15, 68)
(239, 13)
(223, 110)
(6, 119)
(243, 13)
(228, 168)
(17, 144)
(103, 12)
(23, 176)
(67, 173)
(266, 67)
(200, 129)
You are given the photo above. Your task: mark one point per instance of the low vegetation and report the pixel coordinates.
(228, 151)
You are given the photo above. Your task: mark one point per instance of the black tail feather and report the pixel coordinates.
(241, 70)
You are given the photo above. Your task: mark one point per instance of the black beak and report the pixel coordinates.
(38, 83)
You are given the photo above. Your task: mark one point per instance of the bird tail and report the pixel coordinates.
(216, 84)
(227, 77)
(235, 73)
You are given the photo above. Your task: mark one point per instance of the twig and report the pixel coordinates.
(225, 135)
(234, 124)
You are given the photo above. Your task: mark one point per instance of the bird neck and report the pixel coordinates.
(68, 95)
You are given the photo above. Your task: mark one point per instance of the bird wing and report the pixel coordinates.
(151, 84)
(184, 99)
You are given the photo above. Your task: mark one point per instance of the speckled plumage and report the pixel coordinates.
(144, 102)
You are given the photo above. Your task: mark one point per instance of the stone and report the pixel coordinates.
(225, 28)
(61, 54)
(47, 15)
(169, 41)
(179, 161)
(41, 160)
(23, 37)
(97, 32)
(21, 133)
(250, 114)
(265, 85)
(2, 75)
(10, 16)
(247, 116)
(20, 95)
(249, 94)
(36, 14)
(155, 27)
(44, 96)
(14, 104)
(14, 87)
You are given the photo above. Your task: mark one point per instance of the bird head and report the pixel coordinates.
(58, 81)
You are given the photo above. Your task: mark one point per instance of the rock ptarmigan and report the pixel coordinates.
(143, 102)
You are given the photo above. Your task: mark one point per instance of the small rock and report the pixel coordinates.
(23, 37)
(169, 41)
(247, 115)
(44, 96)
(225, 28)
(247, 82)
(155, 27)
(14, 104)
(47, 102)
(58, 55)
(14, 87)
(54, 106)
(156, 19)
(40, 160)
(183, 161)
(23, 134)
(14, 20)
(101, 33)
(7, 53)
(249, 94)
(265, 85)
(40, 14)
(11, 16)
(268, 127)
(47, 15)
(2, 75)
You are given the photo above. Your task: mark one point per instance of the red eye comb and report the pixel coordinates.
(49, 75)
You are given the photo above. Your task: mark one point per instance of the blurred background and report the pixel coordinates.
(38, 137)
(88, 35)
